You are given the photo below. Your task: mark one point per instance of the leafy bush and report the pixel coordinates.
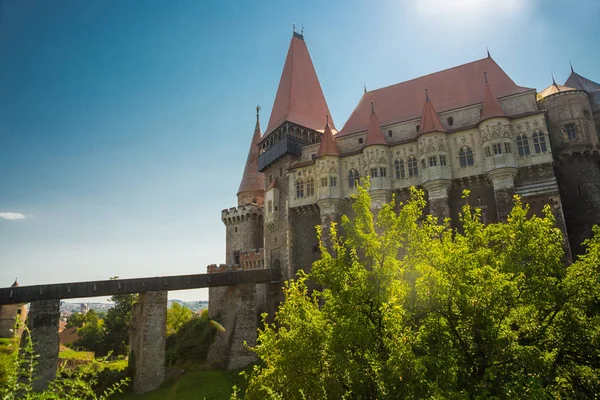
(190, 343)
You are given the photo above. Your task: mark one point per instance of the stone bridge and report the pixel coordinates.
(148, 333)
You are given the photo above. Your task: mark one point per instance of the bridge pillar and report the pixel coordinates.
(43, 319)
(147, 341)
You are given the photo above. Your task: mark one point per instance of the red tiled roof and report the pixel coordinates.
(430, 122)
(299, 97)
(328, 146)
(253, 180)
(491, 106)
(374, 133)
(450, 89)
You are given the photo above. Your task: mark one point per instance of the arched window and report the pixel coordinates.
(413, 167)
(539, 142)
(299, 189)
(399, 165)
(352, 178)
(466, 157)
(310, 187)
(523, 145)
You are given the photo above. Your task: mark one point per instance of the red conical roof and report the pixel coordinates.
(252, 180)
(299, 97)
(430, 122)
(328, 146)
(374, 133)
(491, 106)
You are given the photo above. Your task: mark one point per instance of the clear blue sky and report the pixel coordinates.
(124, 125)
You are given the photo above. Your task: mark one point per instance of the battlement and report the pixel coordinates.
(235, 215)
(251, 259)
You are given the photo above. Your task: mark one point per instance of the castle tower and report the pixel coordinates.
(436, 172)
(576, 152)
(376, 160)
(11, 313)
(252, 187)
(500, 163)
(297, 118)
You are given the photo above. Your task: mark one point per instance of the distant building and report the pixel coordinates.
(11, 313)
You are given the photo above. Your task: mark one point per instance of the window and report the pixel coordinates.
(332, 181)
(323, 182)
(539, 142)
(383, 172)
(443, 161)
(450, 121)
(507, 148)
(390, 133)
(466, 157)
(413, 168)
(488, 152)
(310, 187)
(270, 206)
(313, 156)
(497, 147)
(352, 178)
(571, 131)
(523, 145)
(399, 166)
(423, 164)
(299, 189)
(433, 161)
(418, 126)
(373, 172)
(360, 140)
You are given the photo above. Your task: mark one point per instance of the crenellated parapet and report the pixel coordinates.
(248, 260)
(235, 215)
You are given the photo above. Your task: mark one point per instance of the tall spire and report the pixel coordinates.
(374, 133)
(571, 64)
(488, 52)
(430, 122)
(299, 98)
(252, 186)
(553, 81)
(328, 146)
(491, 106)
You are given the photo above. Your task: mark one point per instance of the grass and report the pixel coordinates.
(199, 384)
(70, 354)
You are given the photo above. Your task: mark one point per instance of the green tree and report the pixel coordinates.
(75, 320)
(177, 315)
(117, 321)
(91, 334)
(410, 308)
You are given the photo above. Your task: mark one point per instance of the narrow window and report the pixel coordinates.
(383, 172)
(423, 164)
(352, 178)
(390, 133)
(313, 156)
(539, 142)
(323, 182)
(360, 140)
(399, 167)
(270, 206)
(443, 161)
(507, 148)
(571, 131)
(450, 121)
(488, 152)
(433, 161)
(270, 178)
(373, 172)
(466, 157)
(523, 145)
(299, 189)
(413, 167)
(497, 147)
(418, 126)
(332, 181)
(310, 187)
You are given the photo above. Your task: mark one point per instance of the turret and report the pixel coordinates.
(9, 314)
(252, 187)
(376, 160)
(436, 174)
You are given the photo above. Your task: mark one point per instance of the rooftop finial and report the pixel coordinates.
(365, 87)
(571, 64)
(485, 76)
(372, 108)
(302, 30)
(553, 81)
(488, 52)
(294, 26)
(257, 113)
(426, 93)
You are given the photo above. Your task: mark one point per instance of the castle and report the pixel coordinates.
(467, 127)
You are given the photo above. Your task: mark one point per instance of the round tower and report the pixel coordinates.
(376, 160)
(576, 154)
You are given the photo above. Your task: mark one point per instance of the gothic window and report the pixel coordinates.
(413, 167)
(373, 172)
(310, 187)
(332, 181)
(507, 148)
(352, 178)
(488, 152)
(433, 161)
(399, 165)
(323, 182)
(497, 147)
(539, 142)
(571, 131)
(383, 172)
(299, 189)
(466, 157)
(523, 145)
(443, 161)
